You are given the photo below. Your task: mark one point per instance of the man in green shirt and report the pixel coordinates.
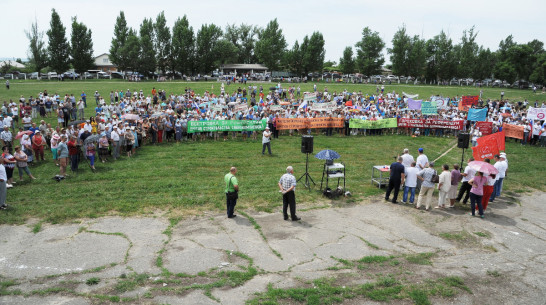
(232, 189)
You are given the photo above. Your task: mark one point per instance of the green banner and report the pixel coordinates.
(429, 108)
(367, 124)
(227, 125)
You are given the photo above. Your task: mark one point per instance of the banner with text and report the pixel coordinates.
(477, 114)
(302, 123)
(441, 102)
(323, 106)
(430, 123)
(487, 149)
(413, 104)
(367, 124)
(429, 108)
(310, 97)
(467, 102)
(486, 128)
(499, 137)
(275, 107)
(536, 113)
(513, 131)
(227, 125)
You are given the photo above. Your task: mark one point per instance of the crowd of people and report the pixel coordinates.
(421, 174)
(122, 121)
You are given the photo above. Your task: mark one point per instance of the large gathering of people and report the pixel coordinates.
(122, 121)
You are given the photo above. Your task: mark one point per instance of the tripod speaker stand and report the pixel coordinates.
(307, 148)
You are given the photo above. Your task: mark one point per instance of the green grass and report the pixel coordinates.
(420, 258)
(184, 179)
(92, 281)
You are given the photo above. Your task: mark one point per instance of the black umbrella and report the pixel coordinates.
(91, 138)
(76, 122)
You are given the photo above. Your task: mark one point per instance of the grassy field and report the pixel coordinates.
(186, 178)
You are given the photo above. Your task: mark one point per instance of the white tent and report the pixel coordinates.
(12, 63)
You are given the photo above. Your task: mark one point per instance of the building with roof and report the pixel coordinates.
(243, 68)
(103, 63)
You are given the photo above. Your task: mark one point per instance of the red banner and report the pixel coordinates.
(486, 128)
(430, 123)
(499, 138)
(303, 123)
(513, 131)
(487, 149)
(467, 102)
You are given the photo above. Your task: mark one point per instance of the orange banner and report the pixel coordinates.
(300, 123)
(487, 149)
(467, 102)
(513, 131)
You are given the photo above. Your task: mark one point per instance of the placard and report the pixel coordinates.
(486, 128)
(467, 102)
(226, 125)
(536, 114)
(429, 108)
(513, 131)
(323, 106)
(430, 123)
(303, 123)
(367, 124)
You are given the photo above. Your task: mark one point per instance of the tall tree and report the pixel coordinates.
(162, 42)
(58, 47)
(271, 45)
(467, 53)
(369, 57)
(183, 46)
(131, 50)
(293, 59)
(244, 38)
(37, 50)
(485, 63)
(313, 58)
(226, 52)
(206, 47)
(347, 62)
(440, 58)
(417, 57)
(121, 31)
(400, 52)
(82, 47)
(147, 59)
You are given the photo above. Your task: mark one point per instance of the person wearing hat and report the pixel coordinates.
(54, 144)
(6, 137)
(114, 136)
(427, 186)
(38, 145)
(266, 141)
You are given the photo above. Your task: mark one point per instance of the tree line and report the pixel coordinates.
(154, 47)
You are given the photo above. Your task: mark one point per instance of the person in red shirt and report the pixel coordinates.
(38, 145)
(74, 153)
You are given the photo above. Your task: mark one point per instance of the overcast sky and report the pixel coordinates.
(341, 23)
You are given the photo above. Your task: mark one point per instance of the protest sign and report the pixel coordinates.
(513, 131)
(240, 107)
(486, 150)
(310, 97)
(302, 123)
(468, 101)
(536, 113)
(430, 123)
(367, 124)
(219, 108)
(226, 125)
(413, 104)
(323, 106)
(498, 136)
(477, 114)
(441, 103)
(486, 128)
(429, 108)
(275, 107)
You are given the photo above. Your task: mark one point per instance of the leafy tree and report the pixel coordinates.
(121, 31)
(293, 59)
(37, 50)
(369, 57)
(417, 57)
(467, 53)
(162, 42)
(82, 47)
(347, 62)
(313, 58)
(539, 72)
(183, 44)
(400, 52)
(329, 64)
(147, 61)
(131, 50)
(440, 58)
(58, 48)
(271, 45)
(206, 47)
(485, 63)
(226, 52)
(244, 38)
(505, 70)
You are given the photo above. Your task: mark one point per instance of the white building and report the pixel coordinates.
(103, 63)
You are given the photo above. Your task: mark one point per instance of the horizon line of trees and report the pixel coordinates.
(154, 47)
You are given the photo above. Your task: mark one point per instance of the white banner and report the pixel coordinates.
(536, 114)
(310, 97)
(323, 106)
(275, 107)
(441, 103)
(241, 107)
(412, 96)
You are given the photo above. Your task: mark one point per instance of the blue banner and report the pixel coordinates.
(477, 115)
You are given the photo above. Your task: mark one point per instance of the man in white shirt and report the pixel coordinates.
(407, 159)
(266, 141)
(115, 141)
(502, 166)
(466, 187)
(3, 189)
(411, 181)
(422, 161)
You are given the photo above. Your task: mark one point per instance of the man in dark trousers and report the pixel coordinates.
(232, 186)
(287, 186)
(396, 179)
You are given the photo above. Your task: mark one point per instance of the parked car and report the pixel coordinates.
(21, 76)
(71, 75)
(454, 81)
(521, 84)
(52, 75)
(33, 75)
(496, 83)
(103, 75)
(8, 76)
(392, 78)
(86, 75)
(116, 75)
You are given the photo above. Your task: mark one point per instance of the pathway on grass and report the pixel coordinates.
(354, 254)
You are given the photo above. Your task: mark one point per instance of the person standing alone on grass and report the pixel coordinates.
(266, 141)
(396, 179)
(287, 186)
(232, 191)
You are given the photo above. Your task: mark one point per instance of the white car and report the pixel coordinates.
(392, 78)
(51, 75)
